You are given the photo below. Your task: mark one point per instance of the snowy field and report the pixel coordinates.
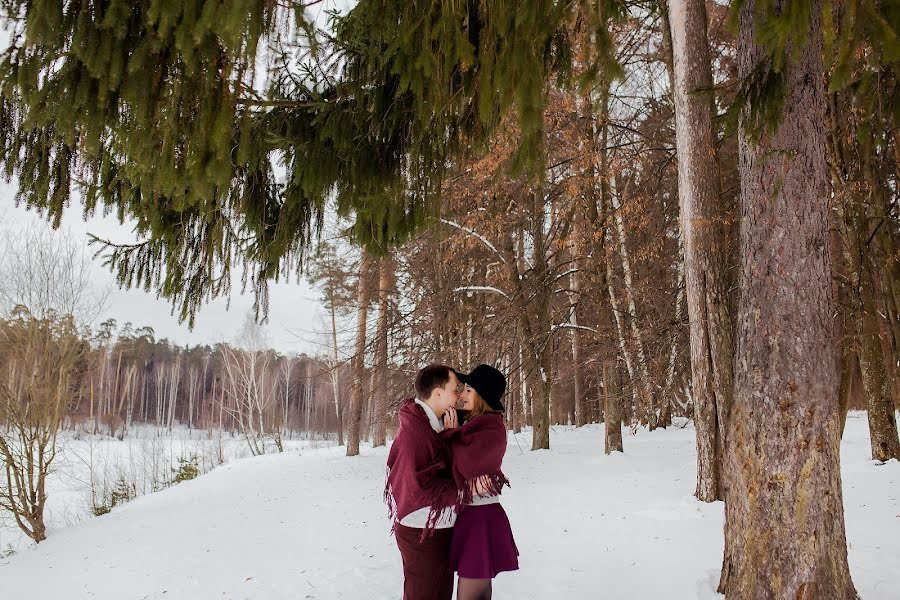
(310, 523)
(88, 468)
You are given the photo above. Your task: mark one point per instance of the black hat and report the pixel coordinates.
(488, 382)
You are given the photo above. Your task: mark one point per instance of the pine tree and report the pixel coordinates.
(784, 528)
(333, 275)
(148, 110)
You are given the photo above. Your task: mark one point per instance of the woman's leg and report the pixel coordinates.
(473, 589)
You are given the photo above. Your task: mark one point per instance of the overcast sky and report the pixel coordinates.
(294, 313)
(296, 320)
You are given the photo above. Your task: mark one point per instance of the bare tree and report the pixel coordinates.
(193, 389)
(287, 369)
(40, 359)
(47, 272)
(328, 271)
(249, 385)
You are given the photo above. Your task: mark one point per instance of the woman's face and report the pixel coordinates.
(467, 398)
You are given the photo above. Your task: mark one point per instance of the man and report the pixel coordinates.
(420, 490)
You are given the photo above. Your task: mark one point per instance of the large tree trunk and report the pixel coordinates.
(784, 529)
(612, 407)
(385, 275)
(541, 330)
(358, 362)
(703, 231)
(879, 404)
(874, 353)
(862, 322)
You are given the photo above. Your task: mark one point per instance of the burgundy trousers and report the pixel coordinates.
(426, 564)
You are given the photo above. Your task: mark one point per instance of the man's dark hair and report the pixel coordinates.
(430, 377)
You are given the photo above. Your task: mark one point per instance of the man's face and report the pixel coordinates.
(448, 394)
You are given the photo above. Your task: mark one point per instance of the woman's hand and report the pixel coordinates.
(450, 419)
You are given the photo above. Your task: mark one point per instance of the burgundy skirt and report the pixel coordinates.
(483, 543)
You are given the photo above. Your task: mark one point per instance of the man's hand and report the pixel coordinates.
(450, 419)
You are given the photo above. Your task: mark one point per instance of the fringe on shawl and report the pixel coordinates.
(440, 491)
(440, 494)
(389, 499)
(490, 484)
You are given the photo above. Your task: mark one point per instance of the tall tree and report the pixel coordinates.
(382, 377)
(41, 357)
(784, 529)
(703, 236)
(328, 271)
(358, 362)
(859, 134)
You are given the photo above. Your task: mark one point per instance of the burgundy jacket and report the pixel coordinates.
(419, 472)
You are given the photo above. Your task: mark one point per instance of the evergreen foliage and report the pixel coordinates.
(152, 110)
(187, 469)
(858, 33)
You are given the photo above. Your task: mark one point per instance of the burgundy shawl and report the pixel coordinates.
(418, 469)
(476, 452)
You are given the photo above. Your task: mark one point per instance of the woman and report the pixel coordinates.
(483, 544)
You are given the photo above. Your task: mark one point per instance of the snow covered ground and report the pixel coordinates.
(87, 469)
(310, 523)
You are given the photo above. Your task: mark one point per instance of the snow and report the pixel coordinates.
(309, 523)
(147, 458)
(481, 288)
(477, 235)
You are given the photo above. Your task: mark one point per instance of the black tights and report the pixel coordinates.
(473, 589)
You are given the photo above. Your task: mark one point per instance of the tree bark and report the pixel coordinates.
(845, 387)
(522, 405)
(577, 379)
(703, 234)
(335, 375)
(541, 333)
(874, 353)
(358, 362)
(385, 276)
(784, 527)
(535, 334)
(612, 407)
(665, 415)
(879, 404)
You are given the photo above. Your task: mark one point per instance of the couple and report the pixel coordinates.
(444, 483)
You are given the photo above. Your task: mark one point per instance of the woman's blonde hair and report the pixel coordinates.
(479, 407)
